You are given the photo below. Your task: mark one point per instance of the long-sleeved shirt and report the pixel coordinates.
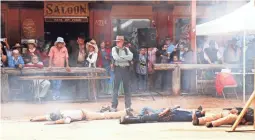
(121, 58)
(12, 62)
(92, 59)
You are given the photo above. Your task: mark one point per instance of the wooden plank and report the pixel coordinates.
(193, 66)
(254, 113)
(4, 88)
(62, 77)
(54, 70)
(176, 81)
(248, 103)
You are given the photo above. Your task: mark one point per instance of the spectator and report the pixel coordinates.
(186, 77)
(92, 50)
(104, 60)
(176, 52)
(34, 62)
(250, 54)
(58, 57)
(170, 46)
(15, 60)
(188, 55)
(162, 57)
(200, 56)
(141, 70)
(181, 58)
(211, 53)
(151, 72)
(31, 51)
(5, 51)
(133, 82)
(233, 53)
(78, 52)
(43, 84)
(176, 60)
(18, 47)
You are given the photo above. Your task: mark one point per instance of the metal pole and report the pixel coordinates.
(244, 46)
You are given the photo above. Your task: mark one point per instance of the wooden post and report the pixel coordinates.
(4, 87)
(238, 120)
(254, 89)
(176, 80)
(193, 29)
(254, 113)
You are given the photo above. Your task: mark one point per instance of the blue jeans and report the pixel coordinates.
(111, 73)
(56, 84)
(148, 110)
(181, 116)
(177, 115)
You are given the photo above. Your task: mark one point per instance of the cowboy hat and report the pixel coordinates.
(31, 41)
(119, 38)
(59, 40)
(92, 43)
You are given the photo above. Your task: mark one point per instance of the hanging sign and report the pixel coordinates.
(63, 9)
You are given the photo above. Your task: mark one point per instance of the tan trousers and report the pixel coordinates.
(101, 116)
(219, 119)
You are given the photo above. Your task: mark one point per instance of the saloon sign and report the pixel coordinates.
(66, 9)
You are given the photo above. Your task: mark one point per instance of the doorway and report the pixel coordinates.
(67, 30)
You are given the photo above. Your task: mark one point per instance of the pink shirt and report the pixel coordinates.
(58, 56)
(152, 55)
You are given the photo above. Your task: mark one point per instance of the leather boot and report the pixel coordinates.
(130, 120)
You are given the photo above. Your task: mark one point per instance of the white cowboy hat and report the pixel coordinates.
(59, 40)
(31, 41)
(92, 43)
(119, 38)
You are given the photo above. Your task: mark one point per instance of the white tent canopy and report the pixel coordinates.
(242, 19)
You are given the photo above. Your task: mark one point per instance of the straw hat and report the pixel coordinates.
(59, 40)
(92, 43)
(119, 38)
(32, 41)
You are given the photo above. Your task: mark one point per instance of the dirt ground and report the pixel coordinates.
(15, 123)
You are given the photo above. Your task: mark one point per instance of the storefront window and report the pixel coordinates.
(128, 28)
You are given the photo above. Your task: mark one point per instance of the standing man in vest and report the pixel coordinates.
(121, 57)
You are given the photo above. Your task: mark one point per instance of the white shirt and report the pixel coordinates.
(93, 59)
(81, 57)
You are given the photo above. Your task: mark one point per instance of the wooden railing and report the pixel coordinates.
(92, 74)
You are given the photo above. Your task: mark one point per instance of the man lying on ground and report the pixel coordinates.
(68, 116)
(163, 115)
(226, 117)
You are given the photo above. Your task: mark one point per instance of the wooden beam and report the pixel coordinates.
(193, 66)
(45, 70)
(193, 29)
(62, 77)
(248, 103)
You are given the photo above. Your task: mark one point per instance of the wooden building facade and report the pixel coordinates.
(26, 20)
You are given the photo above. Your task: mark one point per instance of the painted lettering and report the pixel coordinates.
(56, 10)
(70, 10)
(49, 9)
(76, 9)
(66, 9)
